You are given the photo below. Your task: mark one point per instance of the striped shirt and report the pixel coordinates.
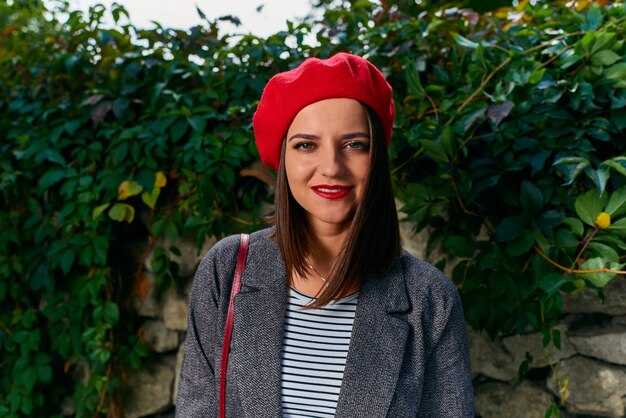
(315, 347)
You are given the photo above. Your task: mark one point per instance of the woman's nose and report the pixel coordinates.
(331, 164)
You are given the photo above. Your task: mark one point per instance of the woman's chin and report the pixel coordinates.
(331, 220)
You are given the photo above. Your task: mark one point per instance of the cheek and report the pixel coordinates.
(360, 170)
(296, 170)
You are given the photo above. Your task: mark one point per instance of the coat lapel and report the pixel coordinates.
(258, 332)
(376, 348)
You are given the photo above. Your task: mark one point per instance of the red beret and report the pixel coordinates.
(341, 76)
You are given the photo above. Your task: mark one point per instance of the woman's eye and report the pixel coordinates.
(305, 146)
(357, 145)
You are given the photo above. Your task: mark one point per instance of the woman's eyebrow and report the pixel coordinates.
(303, 136)
(350, 135)
(353, 135)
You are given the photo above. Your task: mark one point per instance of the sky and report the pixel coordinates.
(182, 14)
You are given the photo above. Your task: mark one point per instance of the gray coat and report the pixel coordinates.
(408, 354)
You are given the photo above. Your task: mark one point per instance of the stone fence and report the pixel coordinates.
(589, 370)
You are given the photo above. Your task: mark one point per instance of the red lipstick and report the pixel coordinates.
(332, 192)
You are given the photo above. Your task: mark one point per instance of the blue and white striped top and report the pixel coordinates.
(315, 347)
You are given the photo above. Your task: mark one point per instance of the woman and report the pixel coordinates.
(333, 318)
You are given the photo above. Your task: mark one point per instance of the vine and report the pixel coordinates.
(508, 144)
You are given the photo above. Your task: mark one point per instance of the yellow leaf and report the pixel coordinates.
(151, 198)
(522, 5)
(502, 12)
(160, 180)
(128, 188)
(130, 214)
(582, 5)
(603, 220)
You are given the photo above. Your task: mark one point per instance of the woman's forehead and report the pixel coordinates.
(339, 113)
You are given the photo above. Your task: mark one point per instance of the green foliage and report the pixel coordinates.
(513, 146)
(509, 143)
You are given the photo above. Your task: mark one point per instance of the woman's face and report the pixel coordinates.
(327, 159)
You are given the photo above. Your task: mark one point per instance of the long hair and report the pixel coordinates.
(373, 241)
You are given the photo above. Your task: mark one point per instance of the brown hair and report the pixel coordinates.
(375, 216)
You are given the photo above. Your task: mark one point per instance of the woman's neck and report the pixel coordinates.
(325, 247)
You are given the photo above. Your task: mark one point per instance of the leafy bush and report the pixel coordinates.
(508, 146)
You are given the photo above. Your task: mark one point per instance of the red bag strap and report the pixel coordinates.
(230, 316)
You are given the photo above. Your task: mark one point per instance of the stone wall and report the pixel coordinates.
(590, 367)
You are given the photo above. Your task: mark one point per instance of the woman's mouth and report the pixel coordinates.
(332, 192)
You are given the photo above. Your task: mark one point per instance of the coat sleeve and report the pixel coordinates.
(448, 390)
(199, 376)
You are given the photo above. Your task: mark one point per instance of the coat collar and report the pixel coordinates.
(371, 371)
(376, 347)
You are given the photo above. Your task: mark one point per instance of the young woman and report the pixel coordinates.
(333, 318)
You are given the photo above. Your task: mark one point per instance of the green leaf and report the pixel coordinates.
(618, 164)
(54, 156)
(197, 123)
(146, 179)
(472, 117)
(589, 205)
(553, 282)
(602, 250)
(576, 225)
(594, 18)
(67, 260)
(599, 177)
(549, 219)
(510, 228)
(585, 45)
(51, 177)
(101, 248)
(111, 313)
(95, 214)
(617, 203)
(531, 197)
(122, 212)
(520, 245)
(27, 402)
(463, 41)
(619, 227)
(414, 83)
(616, 72)
(604, 40)
(569, 58)
(29, 378)
(598, 263)
(434, 150)
(605, 57)
(571, 167)
(178, 129)
(458, 246)
(536, 76)
(44, 373)
(447, 140)
(556, 338)
(226, 175)
(566, 239)
(41, 279)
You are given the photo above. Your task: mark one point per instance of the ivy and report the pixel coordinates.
(508, 144)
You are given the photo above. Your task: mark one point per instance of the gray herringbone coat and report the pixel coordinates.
(408, 354)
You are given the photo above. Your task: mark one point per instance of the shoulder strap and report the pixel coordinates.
(230, 316)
